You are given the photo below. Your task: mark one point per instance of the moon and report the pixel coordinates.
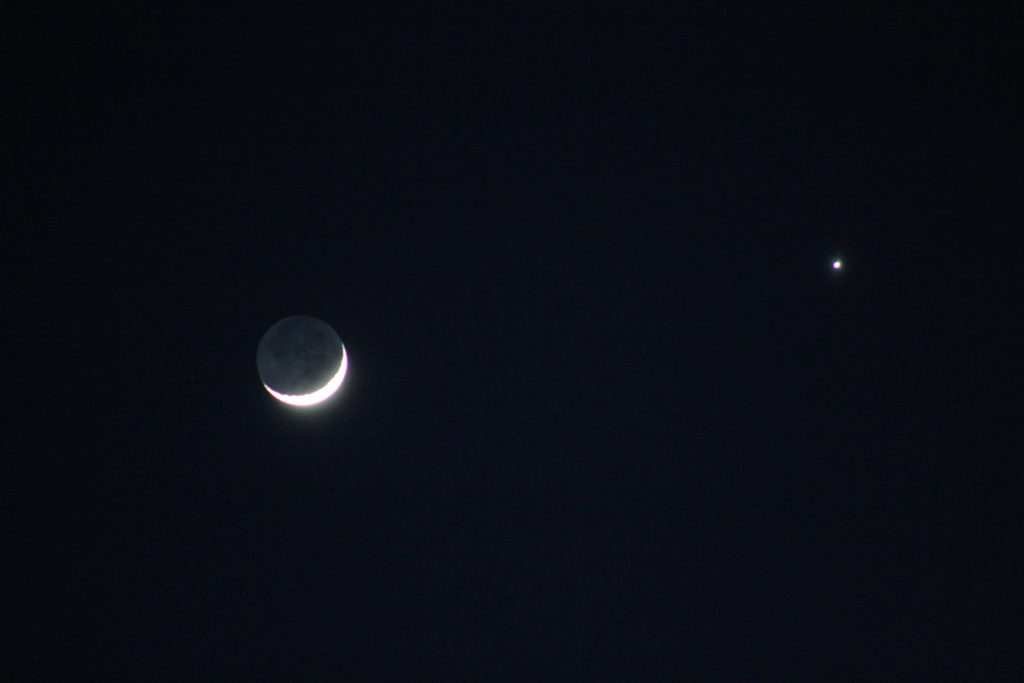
(301, 360)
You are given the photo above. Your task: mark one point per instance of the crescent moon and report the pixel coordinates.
(321, 394)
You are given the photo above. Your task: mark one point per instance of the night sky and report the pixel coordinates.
(609, 413)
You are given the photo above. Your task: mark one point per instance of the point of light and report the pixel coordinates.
(836, 265)
(321, 394)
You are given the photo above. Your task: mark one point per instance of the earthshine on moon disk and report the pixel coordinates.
(301, 360)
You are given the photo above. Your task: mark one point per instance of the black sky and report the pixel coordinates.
(609, 413)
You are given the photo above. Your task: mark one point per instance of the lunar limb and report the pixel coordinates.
(301, 361)
(319, 395)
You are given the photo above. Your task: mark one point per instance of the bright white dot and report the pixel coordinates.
(836, 265)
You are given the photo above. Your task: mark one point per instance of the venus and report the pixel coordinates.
(301, 360)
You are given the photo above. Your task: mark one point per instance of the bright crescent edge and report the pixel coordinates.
(321, 394)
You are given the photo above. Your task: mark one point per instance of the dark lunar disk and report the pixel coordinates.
(298, 355)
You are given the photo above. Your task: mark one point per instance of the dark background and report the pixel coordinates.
(609, 413)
